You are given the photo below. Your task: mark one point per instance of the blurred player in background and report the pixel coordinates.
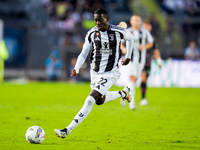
(104, 39)
(142, 41)
(152, 53)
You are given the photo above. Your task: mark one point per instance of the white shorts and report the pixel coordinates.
(135, 69)
(102, 82)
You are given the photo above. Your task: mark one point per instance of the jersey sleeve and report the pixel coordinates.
(129, 43)
(84, 53)
(149, 37)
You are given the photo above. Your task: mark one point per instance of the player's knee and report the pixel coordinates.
(144, 80)
(99, 101)
(133, 78)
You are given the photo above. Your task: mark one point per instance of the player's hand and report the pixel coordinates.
(73, 73)
(125, 61)
(159, 62)
(141, 47)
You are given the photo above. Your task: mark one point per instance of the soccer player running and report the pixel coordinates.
(152, 53)
(104, 39)
(142, 41)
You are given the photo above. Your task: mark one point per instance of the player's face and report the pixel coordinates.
(147, 26)
(135, 21)
(101, 22)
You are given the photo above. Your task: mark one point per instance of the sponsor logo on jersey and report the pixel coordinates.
(105, 45)
(97, 39)
(111, 37)
(105, 49)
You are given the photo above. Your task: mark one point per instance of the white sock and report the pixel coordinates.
(132, 90)
(112, 95)
(82, 114)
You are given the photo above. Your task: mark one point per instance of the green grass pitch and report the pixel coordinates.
(170, 121)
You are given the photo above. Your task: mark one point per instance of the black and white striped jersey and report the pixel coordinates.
(105, 46)
(141, 36)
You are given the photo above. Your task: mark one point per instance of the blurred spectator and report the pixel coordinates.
(88, 21)
(74, 18)
(192, 52)
(53, 66)
(97, 4)
(60, 10)
(191, 7)
(170, 24)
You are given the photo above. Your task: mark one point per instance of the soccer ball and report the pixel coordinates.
(35, 134)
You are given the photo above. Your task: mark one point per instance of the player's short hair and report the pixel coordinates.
(146, 21)
(135, 15)
(101, 11)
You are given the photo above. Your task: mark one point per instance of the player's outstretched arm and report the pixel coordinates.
(147, 46)
(158, 57)
(123, 48)
(82, 57)
(149, 41)
(129, 45)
